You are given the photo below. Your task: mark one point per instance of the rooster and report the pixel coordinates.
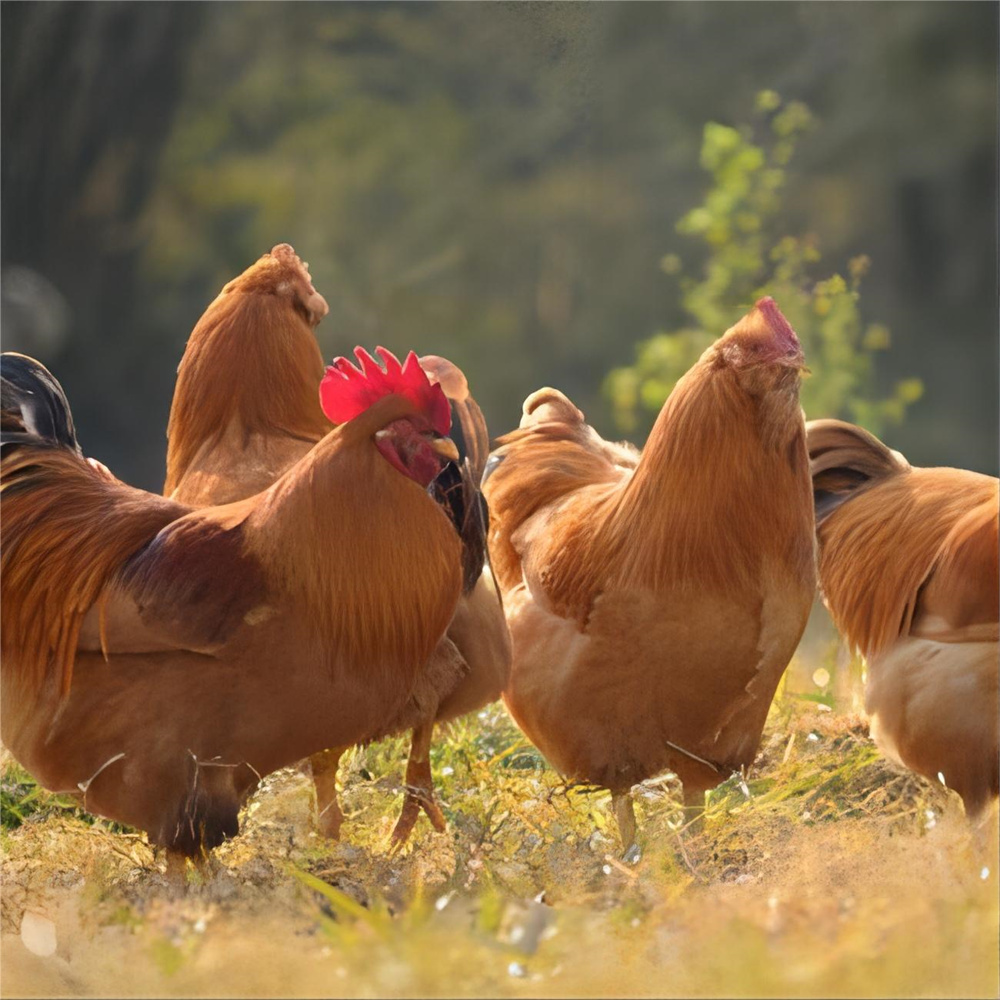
(654, 600)
(159, 659)
(226, 445)
(908, 569)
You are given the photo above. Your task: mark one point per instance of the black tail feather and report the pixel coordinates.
(456, 491)
(33, 406)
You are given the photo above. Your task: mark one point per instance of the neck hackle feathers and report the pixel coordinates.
(348, 390)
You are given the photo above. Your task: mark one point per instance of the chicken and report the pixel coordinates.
(228, 442)
(908, 569)
(227, 445)
(654, 601)
(159, 659)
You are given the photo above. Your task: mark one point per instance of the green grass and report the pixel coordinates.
(21, 796)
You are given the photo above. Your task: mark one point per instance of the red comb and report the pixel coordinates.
(781, 330)
(347, 390)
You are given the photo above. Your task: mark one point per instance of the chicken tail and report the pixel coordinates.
(549, 405)
(33, 405)
(457, 489)
(844, 459)
(456, 492)
(67, 525)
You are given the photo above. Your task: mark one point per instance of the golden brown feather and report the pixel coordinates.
(908, 569)
(654, 601)
(225, 447)
(246, 404)
(88, 525)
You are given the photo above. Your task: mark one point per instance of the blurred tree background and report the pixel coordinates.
(533, 190)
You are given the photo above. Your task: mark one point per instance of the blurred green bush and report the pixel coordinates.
(739, 223)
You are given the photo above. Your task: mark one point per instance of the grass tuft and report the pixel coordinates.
(823, 871)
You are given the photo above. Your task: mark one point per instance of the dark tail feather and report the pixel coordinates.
(33, 406)
(477, 438)
(455, 490)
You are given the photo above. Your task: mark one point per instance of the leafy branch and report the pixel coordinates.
(737, 224)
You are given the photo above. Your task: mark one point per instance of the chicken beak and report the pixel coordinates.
(445, 447)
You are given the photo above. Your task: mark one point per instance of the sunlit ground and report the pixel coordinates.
(826, 873)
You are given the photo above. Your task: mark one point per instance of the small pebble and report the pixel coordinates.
(38, 934)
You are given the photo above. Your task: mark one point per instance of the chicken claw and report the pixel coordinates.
(419, 790)
(419, 795)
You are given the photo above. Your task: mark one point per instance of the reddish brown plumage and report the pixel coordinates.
(210, 646)
(57, 503)
(908, 569)
(225, 447)
(655, 600)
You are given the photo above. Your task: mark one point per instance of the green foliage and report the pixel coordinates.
(21, 796)
(736, 224)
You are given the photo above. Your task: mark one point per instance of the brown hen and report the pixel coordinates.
(654, 600)
(908, 569)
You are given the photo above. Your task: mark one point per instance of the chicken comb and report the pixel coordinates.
(779, 327)
(762, 336)
(348, 390)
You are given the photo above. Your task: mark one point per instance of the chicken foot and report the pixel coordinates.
(176, 870)
(624, 812)
(324, 773)
(419, 789)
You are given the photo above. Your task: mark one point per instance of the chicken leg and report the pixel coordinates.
(694, 808)
(175, 872)
(324, 772)
(419, 789)
(624, 811)
(176, 869)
